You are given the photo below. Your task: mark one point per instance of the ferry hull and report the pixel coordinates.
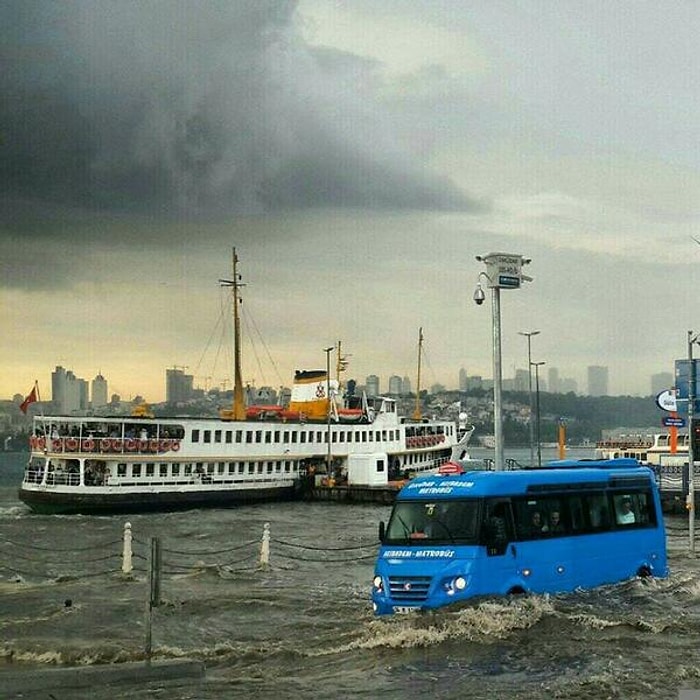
(55, 503)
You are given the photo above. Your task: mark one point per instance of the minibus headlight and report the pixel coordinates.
(460, 583)
(377, 582)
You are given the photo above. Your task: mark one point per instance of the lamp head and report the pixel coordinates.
(479, 296)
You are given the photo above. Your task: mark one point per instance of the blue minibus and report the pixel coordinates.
(456, 534)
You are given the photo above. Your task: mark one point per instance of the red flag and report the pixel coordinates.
(30, 399)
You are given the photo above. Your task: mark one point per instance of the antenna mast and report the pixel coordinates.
(417, 415)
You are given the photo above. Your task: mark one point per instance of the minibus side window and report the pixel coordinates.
(598, 509)
(497, 526)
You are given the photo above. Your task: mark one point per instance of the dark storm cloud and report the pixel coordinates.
(199, 108)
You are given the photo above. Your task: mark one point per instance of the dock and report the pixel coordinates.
(349, 493)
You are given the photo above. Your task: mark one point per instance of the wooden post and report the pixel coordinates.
(153, 594)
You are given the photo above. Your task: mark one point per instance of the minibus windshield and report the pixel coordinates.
(436, 522)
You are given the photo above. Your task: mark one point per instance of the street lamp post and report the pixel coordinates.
(328, 352)
(528, 335)
(503, 271)
(537, 366)
(690, 502)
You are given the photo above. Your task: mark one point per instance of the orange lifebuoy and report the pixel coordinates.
(165, 445)
(105, 444)
(57, 444)
(130, 444)
(176, 445)
(153, 445)
(117, 445)
(88, 445)
(143, 445)
(72, 444)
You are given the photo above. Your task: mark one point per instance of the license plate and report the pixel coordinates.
(405, 608)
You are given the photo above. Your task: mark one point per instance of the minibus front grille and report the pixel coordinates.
(409, 589)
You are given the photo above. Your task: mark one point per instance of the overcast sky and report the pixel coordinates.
(358, 155)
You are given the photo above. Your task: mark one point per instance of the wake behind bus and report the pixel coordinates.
(457, 534)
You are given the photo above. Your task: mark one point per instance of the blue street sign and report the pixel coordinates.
(671, 421)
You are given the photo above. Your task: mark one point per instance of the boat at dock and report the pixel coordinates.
(92, 464)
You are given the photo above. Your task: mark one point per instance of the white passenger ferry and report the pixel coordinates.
(109, 464)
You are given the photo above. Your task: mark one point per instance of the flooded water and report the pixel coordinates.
(303, 627)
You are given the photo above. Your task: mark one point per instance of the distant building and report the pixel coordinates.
(406, 386)
(395, 385)
(553, 380)
(178, 386)
(597, 381)
(522, 380)
(372, 385)
(99, 392)
(661, 381)
(463, 379)
(68, 392)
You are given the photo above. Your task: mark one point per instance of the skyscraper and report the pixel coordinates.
(597, 381)
(178, 385)
(395, 384)
(553, 380)
(68, 392)
(99, 391)
(372, 384)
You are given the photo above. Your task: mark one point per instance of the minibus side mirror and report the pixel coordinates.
(382, 531)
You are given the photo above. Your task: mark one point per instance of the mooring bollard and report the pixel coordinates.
(265, 546)
(127, 552)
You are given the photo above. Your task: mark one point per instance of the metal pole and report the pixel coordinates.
(328, 352)
(537, 390)
(528, 335)
(497, 380)
(690, 503)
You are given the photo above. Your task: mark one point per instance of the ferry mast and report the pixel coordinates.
(237, 412)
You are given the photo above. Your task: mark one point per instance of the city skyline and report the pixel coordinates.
(73, 392)
(359, 156)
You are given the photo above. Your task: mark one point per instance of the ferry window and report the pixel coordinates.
(371, 435)
(220, 467)
(268, 436)
(207, 436)
(378, 436)
(341, 436)
(239, 436)
(334, 437)
(231, 468)
(163, 470)
(187, 469)
(210, 467)
(229, 436)
(319, 436)
(277, 436)
(135, 470)
(195, 436)
(285, 436)
(248, 436)
(258, 436)
(269, 467)
(294, 436)
(150, 469)
(286, 466)
(121, 469)
(176, 470)
(217, 436)
(383, 435)
(241, 467)
(251, 467)
(302, 436)
(260, 468)
(380, 466)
